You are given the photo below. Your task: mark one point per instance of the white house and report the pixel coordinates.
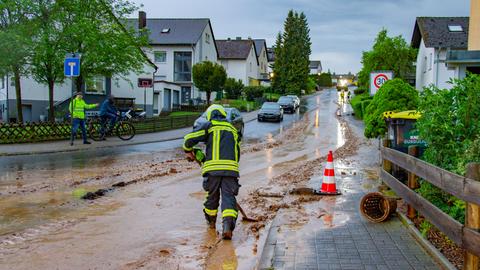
(175, 46)
(261, 51)
(315, 67)
(435, 37)
(239, 58)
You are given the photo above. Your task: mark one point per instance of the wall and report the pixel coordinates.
(236, 69)
(263, 63)
(433, 71)
(252, 72)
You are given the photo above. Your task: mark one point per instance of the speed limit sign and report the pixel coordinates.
(377, 79)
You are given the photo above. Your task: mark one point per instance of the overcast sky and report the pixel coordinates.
(340, 29)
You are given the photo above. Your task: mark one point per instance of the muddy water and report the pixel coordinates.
(159, 224)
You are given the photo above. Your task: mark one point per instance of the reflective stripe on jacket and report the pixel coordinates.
(223, 147)
(77, 108)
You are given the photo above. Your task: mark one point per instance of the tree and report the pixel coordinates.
(209, 77)
(49, 48)
(233, 88)
(325, 79)
(388, 53)
(292, 53)
(16, 33)
(106, 46)
(394, 95)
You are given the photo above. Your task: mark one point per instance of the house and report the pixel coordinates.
(239, 58)
(175, 46)
(315, 67)
(468, 61)
(271, 60)
(261, 50)
(435, 37)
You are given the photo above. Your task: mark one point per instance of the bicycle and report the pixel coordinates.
(122, 128)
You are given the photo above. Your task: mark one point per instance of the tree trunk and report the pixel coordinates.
(51, 109)
(78, 84)
(208, 98)
(18, 93)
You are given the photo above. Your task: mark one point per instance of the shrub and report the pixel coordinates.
(359, 91)
(356, 103)
(395, 95)
(233, 88)
(252, 92)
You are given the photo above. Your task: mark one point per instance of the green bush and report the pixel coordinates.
(395, 95)
(253, 92)
(356, 103)
(364, 105)
(233, 88)
(359, 91)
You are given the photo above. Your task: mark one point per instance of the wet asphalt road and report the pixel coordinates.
(254, 132)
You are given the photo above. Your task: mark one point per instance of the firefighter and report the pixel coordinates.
(219, 166)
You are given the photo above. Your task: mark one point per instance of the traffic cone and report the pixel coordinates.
(328, 185)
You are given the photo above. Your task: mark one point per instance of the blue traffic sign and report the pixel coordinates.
(71, 67)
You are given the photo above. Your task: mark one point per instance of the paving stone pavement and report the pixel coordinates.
(343, 239)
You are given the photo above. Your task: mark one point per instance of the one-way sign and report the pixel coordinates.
(71, 67)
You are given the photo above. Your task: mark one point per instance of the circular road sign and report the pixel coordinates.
(379, 80)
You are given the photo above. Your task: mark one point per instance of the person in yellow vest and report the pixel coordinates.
(77, 109)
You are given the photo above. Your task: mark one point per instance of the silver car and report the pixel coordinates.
(233, 116)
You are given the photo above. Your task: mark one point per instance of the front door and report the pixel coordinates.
(27, 112)
(167, 100)
(176, 99)
(156, 96)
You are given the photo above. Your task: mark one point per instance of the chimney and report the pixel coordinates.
(142, 20)
(239, 38)
(249, 38)
(474, 26)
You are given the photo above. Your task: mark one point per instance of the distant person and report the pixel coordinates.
(342, 97)
(77, 109)
(348, 96)
(108, 114)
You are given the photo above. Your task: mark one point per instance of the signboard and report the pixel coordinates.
(71, 66)
(145, 82)
(377, 79)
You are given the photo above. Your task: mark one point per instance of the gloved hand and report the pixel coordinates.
(190, 156)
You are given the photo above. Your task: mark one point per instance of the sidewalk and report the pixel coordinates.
(64, 146)
(332, 234)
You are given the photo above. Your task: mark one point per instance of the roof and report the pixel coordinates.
(315, 64)
(435, 33)
(235, 49)
(180, 31)
(259, 44)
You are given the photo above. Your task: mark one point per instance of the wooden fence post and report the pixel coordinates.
(412, 181)
(472, 218)
(387, 165)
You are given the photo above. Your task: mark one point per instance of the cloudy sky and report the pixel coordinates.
(340, 29)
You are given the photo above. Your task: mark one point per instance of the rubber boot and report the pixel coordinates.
(228, 227)
(211, 220)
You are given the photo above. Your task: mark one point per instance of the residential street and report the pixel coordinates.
(157, 223)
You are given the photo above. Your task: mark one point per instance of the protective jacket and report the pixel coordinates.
(107, 108)
(78, 106)
(222, 144)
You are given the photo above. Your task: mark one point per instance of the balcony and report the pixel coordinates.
(463, 57)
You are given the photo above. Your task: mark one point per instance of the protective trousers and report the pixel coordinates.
(224, 186)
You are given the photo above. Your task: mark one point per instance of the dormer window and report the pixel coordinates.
(455, 28)
(165, 30)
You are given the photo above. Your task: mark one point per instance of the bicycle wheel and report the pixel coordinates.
(125, 130)
(94, 130)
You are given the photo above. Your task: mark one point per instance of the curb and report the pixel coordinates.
(265, 260)
(431, 250)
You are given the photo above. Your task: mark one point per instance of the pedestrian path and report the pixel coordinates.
(64, 146)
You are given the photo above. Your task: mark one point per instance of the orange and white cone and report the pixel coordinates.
(329, 187)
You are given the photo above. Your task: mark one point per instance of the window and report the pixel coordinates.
(455, 28)
(183, 66)
(207, 38)
(425, 64)
(165, 30)
(160, 56)
(250, 66)
(96, 85)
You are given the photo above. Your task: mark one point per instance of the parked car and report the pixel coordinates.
(297, 100)
(287, 103)
(233, 116)
(270, 111)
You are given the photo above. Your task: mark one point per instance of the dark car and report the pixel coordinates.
(288, 104)
(297, 100)
(270, 111)
(233, 116)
